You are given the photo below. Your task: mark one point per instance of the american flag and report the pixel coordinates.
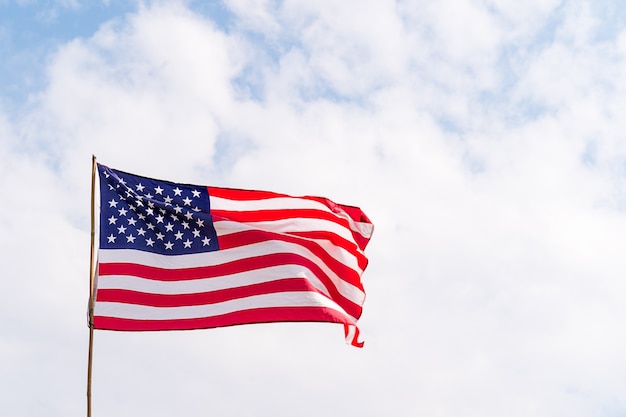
(178, 256)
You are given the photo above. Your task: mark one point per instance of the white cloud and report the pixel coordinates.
(255, 16)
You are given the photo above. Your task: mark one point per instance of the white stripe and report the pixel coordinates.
(272, 203)
(200, 285)
(276, 300)
(195, 260)
(364, 229)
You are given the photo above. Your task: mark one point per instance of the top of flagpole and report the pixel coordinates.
(93, 238)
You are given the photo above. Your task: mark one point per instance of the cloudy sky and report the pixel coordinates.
(486, 140)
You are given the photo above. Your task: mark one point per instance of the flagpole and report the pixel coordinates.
(92, 273)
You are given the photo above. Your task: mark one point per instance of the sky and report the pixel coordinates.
(484, 139)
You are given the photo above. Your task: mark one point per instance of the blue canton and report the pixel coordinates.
(155, 216)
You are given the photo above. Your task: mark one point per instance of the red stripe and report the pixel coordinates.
(204, 298)
(355, 338)
(251, 316)
(243, 195)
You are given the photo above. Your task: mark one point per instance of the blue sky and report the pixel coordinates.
(485, 140)
(32, 30)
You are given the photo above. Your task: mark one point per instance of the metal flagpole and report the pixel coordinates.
(92, 273)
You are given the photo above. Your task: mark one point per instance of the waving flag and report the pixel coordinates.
(177, 256)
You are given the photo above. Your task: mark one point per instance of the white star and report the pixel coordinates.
(121, 229)
(112, 203)
(106, 174)
(150, 204)
(168, 200)
(185, 225)
(179, 235)
(123, 211)
(187, 243)
(200, 222)
(112, 220)
(149, 242)
(169, 227)
(188, 215)
(187, 201)
(141, 216)
(139, 203)
(150, 226)
(130, 239)
(140, 187)
(205, 241)
(132, 221)
(121, 180)
(160, 236)
(150, 212)
(177, 191)
(111, 238)
(169, 245)
(129, 193)
(111, 187)
(178, 209)
(174, 217)
(196, 209)
(149, 196)
(196, 193)
(141, 232)
(163, 211)
(196, 233)
(159, 219)
(158, 190)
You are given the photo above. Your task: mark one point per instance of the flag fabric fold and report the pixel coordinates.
(180, 257)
